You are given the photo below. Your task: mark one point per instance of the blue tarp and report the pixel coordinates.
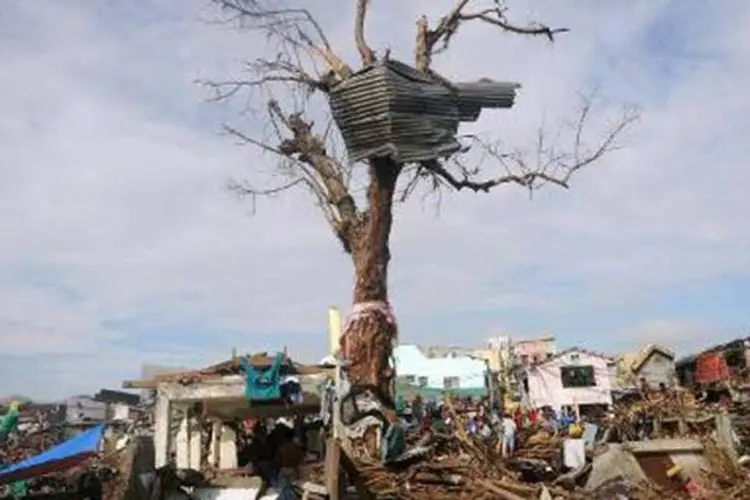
(63, 456)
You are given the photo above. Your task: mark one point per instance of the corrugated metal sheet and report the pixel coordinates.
(712, 367)
(392, 110)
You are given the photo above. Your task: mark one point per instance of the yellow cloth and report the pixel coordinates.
(575, 431)
(673, 471)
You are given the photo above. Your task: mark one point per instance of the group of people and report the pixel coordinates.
(487, 421)
(274, 450)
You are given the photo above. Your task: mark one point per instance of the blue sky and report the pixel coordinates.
(122, 246)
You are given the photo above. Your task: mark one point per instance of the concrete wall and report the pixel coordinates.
(657, 369)
(410, 361)
(545, 382)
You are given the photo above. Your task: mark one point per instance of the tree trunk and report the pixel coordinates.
(370, 331)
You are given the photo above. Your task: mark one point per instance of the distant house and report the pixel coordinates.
(105, 405)
(653, 363)
(439, 369)
(717, 364)
(572, 379)
(84, 409)
(120, 405)
(531, 351)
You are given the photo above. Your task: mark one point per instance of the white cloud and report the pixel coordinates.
(112, 178)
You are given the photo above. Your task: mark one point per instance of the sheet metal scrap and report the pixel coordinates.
(391, 110)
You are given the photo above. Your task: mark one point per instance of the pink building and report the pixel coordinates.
(534, 350)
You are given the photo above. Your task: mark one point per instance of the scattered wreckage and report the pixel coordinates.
(265, 427)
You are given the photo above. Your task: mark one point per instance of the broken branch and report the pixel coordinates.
(304, 155)
(431, 42)
(545, 165)
(365, 52)
(289, 26)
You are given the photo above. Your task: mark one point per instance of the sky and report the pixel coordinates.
(121, 245)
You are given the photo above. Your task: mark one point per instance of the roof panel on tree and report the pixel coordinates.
(391, 110)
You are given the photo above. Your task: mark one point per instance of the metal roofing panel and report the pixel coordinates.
(391, 110)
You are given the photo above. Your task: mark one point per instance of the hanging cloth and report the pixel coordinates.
(263, 384)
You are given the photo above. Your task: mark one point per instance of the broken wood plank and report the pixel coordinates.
(332, 469)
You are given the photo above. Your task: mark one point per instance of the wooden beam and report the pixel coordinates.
(229, 387)
(332, 469)
(205, 375)
(348, 466)
(139, 384)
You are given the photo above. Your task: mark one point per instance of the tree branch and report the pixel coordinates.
(307, 160)
(547, 164)
(365, 52)
(431, 42)
(289, 26)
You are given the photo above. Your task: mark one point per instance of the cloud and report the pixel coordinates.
(121, 244)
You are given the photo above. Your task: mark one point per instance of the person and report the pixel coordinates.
(472, 426)
(509, 429)
(533, 416)
(484, 428)
(417, 408)
(400, 404)
(289, 458)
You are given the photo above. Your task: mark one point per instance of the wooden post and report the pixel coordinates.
(333, 469)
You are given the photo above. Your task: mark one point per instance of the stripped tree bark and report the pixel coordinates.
(306, 62)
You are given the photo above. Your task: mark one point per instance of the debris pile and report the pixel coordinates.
(96, 475)
(454, 463)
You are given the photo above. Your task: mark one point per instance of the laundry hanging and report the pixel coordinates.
(263, 384)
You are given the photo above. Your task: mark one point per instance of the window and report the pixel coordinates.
(577, 376)
(422, 381)
(450, 383)
(575, 358)
(410, 379)
(525, 359)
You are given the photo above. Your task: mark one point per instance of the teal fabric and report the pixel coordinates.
(263, 385)
(393, 444)
(400, 404)
(9, 422)
(19, 489)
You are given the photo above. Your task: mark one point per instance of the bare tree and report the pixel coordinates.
(305, 65)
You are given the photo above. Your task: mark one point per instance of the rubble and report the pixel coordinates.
(652, 444)
(98, 476)
(456, 464)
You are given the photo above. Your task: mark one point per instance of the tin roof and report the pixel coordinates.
(573, 350)
(392, 110)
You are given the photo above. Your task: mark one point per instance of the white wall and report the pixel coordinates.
(410, 361)
(120, 412)
(81, 408)
(545, 383)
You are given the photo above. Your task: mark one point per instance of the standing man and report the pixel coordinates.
(509, 429)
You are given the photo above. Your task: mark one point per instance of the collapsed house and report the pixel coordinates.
(196, 415)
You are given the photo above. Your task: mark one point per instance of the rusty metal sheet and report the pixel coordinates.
(392, 110)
